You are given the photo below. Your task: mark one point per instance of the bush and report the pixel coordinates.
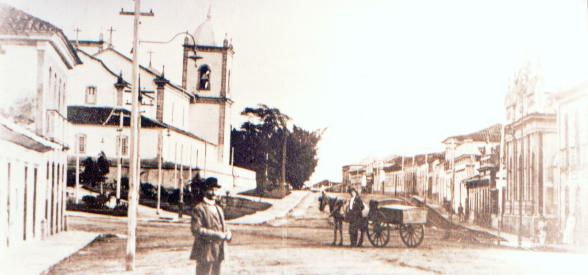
(71, 177)
(148, 191)
(89, 201)
(95, 202)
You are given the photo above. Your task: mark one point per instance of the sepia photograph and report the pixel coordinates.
(252, 137)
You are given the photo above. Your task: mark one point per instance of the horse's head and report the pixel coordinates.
(322, 201)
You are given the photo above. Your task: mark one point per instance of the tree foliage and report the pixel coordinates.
(95, 171)
(259, 143)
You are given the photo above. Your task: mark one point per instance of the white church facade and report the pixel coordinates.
(187, 125)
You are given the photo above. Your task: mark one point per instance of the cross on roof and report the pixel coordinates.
(77, 31)
(110, 30)
(150, 55)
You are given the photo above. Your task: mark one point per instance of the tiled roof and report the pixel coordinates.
(146, 69)
(16, 22)
(102, 116)
(491, 134)
(94, 115)
(22, 140)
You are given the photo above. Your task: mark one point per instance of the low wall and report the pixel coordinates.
(242, 180)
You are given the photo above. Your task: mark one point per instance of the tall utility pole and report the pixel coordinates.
(401, 175)
(426, 187)
(283, 166)
(134, 150)
(453, 147)
(120, 156)
(181, 200)
(233, 164)
(159, 169)
(77, 188)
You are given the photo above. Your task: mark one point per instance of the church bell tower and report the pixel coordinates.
(206, 74)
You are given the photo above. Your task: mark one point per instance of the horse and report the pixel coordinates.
(338, 209)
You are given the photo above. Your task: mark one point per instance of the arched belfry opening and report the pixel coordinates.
(204, 78)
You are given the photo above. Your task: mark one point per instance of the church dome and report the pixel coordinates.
(204, 34)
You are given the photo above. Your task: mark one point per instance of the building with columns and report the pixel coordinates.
(36, 60)
(530, 156)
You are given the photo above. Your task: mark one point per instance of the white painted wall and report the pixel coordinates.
(176, 110)
(22, 81)
(92, 73)
(19, 157)
(205, 120)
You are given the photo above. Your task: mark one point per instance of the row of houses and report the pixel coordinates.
(64, 101)
(531, 168)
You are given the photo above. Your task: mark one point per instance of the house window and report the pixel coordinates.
(204, 78)
(122, 145)
(91, 95)
(81, 144)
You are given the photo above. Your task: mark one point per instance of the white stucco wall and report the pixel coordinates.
(176, 110)
(22, 81)
(204, 121)
(92, 73)
(37, 195)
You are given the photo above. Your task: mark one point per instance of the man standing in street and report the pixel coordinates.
(209, 230)
(356, 221)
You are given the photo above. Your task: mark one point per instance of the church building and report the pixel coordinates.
(185, 128)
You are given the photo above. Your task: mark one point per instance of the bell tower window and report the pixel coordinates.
(204, 78)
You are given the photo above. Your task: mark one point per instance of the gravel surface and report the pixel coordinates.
(300, 244)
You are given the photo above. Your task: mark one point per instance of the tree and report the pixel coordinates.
(95, 171)
(102, 169)
(262, 143)
(302, 155)
(88, 176)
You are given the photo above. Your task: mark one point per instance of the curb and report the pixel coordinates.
(95, 239)
(289, 211)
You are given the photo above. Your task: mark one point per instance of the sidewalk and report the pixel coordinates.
(37, 256)
(279, 208)
(509, 239)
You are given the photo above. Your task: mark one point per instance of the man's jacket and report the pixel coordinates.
(208, 225)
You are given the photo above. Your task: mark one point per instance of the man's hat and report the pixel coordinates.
(210, 183)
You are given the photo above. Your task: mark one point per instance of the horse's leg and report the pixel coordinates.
(334, 232)
(362, 229)
(340, 232)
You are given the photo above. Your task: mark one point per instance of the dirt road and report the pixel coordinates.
(301, 245)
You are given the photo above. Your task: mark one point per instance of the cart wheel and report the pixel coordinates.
(412, 234)
(378, 232)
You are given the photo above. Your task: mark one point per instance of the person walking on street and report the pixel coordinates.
(354, 214)
(209, 230)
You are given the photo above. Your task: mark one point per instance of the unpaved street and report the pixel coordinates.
(301, 245)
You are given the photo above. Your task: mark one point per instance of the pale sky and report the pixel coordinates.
(385, 77)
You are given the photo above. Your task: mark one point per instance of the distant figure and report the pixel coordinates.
(209, 230)
(542, 230)
(569, 230)
(356, 221)
(460, 213)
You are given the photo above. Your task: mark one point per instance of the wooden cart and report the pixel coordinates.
(385, 216)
